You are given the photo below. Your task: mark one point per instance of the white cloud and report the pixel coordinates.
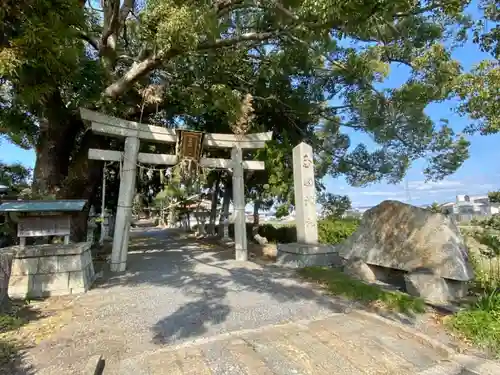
(379, 193)
(438, 185)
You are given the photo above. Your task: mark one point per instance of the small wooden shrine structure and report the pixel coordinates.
(42, 218)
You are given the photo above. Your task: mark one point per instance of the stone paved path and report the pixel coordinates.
(341, 344)
(182, 309)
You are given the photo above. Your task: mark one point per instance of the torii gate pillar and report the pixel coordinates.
(124, 209)
(240, 230)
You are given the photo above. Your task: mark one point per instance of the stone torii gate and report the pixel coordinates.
(134, 132)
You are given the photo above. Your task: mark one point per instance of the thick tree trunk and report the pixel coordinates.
(62, 167)
(59, 128)
(82, 182)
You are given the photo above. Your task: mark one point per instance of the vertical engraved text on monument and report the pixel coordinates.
(307, 161)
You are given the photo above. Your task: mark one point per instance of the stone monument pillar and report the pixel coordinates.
(305, 194)
(306, 251)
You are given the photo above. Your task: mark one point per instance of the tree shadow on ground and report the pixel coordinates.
(13, 359)
(210, 279)
(216, 286)
(12, 350)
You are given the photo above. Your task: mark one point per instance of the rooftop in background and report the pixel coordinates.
(69, 205)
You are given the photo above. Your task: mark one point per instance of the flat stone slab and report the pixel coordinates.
(341, 344)
(296, 255)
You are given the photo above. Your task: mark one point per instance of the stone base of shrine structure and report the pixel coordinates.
(297, 255)
(51, 270)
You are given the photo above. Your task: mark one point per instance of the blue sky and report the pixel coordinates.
(479, 174)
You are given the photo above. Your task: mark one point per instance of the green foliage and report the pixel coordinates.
(282, 210)
(338, 283)
(487, 29)
(329, 231)
(39, 47)
(494, 196)
(204, 57)
(486, 273)
(480, 323)
(334, 206)
(490, 240)
(15, 176)
(9, 352)
(9, 322)
(490, 223)
(435, 207)
(335, 231)
(278, 234)
(479, 94)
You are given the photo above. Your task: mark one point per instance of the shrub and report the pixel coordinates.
(329, 231)
(279, 234)
(480, 323)
(335, 231)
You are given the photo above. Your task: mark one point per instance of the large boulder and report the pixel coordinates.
(433, 289)
(358, 269)
(400, 236)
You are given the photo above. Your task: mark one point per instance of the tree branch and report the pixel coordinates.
(114, 21)
(146, 66)
(88, 38)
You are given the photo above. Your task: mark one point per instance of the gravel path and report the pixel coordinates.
(176, 292)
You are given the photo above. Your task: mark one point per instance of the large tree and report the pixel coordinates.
(313, 68)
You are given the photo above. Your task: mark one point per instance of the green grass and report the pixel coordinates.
(9, 346)
(9, 352)
(340, 284)
(480, 323)
(10, 322)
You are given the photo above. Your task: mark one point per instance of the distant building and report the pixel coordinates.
(467, 207)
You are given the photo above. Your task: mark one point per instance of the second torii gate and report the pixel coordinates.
(133, 132)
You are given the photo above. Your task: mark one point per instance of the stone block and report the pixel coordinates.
(432, 288)
(78, 279)
(55, 270)
(356, 268)
(70, 263)
(19, 286)
(49, 282)
(296, 255)
(48, 264)
(24, 266)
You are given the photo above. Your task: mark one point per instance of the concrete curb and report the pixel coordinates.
(445, 350)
